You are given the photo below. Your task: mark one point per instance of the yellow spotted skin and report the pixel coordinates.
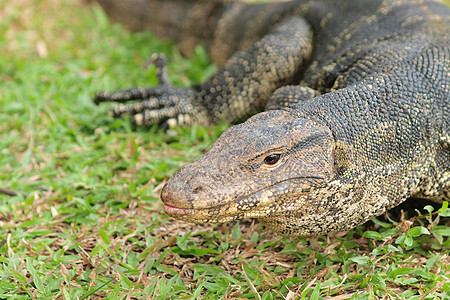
(356, 100)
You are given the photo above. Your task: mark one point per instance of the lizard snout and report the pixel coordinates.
(178, 196)
(186, 189)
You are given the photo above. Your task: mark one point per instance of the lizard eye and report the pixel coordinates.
(272, 159)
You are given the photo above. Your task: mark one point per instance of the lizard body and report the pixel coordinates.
(357, 115)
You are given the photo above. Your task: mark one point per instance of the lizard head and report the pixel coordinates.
(262, 168)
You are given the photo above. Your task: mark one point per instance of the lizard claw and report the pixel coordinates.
(159, 60)
(164, 104)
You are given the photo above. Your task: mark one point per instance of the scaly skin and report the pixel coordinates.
(357, 120)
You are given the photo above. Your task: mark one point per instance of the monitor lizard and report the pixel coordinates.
(356, 107)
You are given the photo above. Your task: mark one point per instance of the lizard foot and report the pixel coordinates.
(164, 104)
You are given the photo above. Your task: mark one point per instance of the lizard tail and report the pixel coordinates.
(188, 23)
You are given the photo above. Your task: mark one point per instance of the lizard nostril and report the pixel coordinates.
(197, 190)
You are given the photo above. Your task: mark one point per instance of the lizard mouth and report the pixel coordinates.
(195, 215)
(178, 212)
(255, 205)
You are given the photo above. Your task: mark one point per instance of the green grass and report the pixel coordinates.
(90, 225)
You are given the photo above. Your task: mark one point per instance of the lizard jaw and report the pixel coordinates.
(178, 212)
(192, 215)
(257, 203)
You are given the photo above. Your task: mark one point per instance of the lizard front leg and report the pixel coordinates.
(164, 104)
(288, 96)
(241, 86)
